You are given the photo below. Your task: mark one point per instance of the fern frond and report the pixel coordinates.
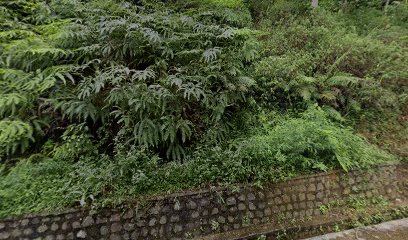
(228, 33)
(11, 102)
(143, 75)
(328, 95)
(146, 132)
(192, 90)
(343, 80)
(15, 135)
(211, 54)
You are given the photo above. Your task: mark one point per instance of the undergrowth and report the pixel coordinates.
(284, 149)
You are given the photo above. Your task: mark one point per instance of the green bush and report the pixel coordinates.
(316, 58)
(277, 11)
(286, 148)
(310, 142)
(33, 187)
(153, 75)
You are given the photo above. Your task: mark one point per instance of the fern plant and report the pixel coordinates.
(31, 69)
(147, 74)
(162, 76)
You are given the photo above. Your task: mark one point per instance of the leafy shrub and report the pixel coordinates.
(355, 65)
(277, 11)
(30, 68)
(316, 59)
(310, 142)
(33, 187)
(75, 144)
(292, 147)
(148, 74)
(14, 135)
(49, 184)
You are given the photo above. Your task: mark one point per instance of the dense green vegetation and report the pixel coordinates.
(105, 101)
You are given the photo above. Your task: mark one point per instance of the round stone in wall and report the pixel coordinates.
(16, 232)
(50, 237)
(163, 220)
(231, 201)
(28, 231)
(195, 214)
(152, 222)
(192, 205)
(104, 230)
(64, 226)
(54, 227)
(115, 237)
(116, 227)
(129, 226)
(4, 235)
(42, 228)
(251, 197)
(81, 234)
(24, 222)
(135, 234)
(88, 221)
(60, 237)
(221, 219)
(178, 228)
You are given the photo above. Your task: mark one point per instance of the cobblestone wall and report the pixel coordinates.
(194, 214)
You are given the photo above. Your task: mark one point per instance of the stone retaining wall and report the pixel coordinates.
(203, 213)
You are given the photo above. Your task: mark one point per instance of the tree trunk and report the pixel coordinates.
(315, 3)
